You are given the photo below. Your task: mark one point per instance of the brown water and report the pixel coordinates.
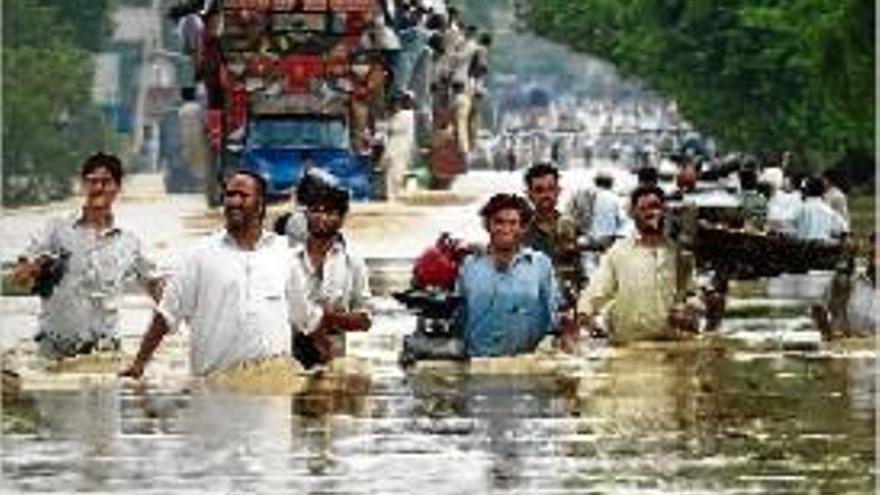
(674, 418)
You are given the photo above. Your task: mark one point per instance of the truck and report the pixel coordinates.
(279, 79)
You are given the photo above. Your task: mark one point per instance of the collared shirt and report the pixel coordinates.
(608, 218)
(507, 312)
(342, 281)
(84, 307)
(817, 221)
(237, 303)
(639, 283)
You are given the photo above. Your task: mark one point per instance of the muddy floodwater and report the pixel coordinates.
(762, 408)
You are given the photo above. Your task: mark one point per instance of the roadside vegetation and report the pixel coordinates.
(49, 120)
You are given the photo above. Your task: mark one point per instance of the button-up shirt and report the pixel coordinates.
(84, 307)
(608, 218)
(639, 283)
(817, 221)
(237, 302)
(507, 312)
(341, 282)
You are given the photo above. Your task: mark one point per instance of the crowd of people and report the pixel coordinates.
(417, 78)
(246, 292)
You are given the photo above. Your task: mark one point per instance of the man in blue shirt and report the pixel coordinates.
(510, 295)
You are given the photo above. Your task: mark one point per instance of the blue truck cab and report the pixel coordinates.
(281, 147)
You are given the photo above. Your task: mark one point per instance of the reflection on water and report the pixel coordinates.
(655, 419)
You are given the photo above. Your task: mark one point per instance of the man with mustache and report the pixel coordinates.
(637, 279)
(237, 290)
(336, 282)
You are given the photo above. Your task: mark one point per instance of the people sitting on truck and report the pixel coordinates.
(816, 219)
(336, 282)
(784, 202)
(509, 291)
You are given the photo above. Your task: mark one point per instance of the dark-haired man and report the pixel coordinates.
(551, 232)
(336, 282)
(237, 290)
(510, 292)
(80, 265)
(637, 279)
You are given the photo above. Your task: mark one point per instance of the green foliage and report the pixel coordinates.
(49, 121)
(760, 75)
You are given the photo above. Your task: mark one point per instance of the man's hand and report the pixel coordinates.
(134, 370)
(569, 333)
(683, 319)
(26, 271)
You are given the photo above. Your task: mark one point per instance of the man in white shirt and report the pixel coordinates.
(816, 220)
(236, 291)
(336, 283)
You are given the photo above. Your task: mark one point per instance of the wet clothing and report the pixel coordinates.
(507, 312)
(816, 220)
(341, 282)
(558, 244)
(863, 307)
(639, 283)
(239, 304)
(82, 313)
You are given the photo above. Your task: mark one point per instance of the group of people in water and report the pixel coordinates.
(248, 293)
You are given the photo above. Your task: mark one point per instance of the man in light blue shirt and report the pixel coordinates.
(510, 293)
(816, 220)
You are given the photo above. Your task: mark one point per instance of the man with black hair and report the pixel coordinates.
(237, 290)
(639, 282)
(552, 232)
(336, 282)
(510, 294)
(816, 220)
(81, 263)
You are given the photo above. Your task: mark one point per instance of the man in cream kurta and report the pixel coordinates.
(637, 278)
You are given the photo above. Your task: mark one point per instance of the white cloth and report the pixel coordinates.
(237, 303)
(782, 207)
(192, 136)
(84, 307)
(608, 217)
(399, 149)
(863, 308)
(342, 283)
(815, 220)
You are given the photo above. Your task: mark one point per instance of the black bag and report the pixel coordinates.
(305, 351)
(52, 270)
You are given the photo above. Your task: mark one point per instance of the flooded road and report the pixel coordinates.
(728, 414)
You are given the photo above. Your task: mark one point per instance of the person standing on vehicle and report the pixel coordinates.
(399, 148)
(80, 264)
(237, 290)
(509, 291)
(336, 282)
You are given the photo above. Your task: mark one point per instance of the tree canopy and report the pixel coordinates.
(49, 121)
(760, 75)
